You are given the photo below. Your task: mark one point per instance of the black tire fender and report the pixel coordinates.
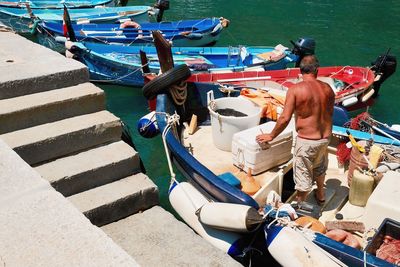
(160, 83)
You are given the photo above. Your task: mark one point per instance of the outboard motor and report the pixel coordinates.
(161, 5)
(385, 65)
(303, 47)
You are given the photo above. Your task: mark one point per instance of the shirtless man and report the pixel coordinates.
(312, 103)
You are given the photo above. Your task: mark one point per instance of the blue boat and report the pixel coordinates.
(209, 133)
(122, 64)
(200, 32)
(55, 4)
(211, 175)
(359, 135)
(21, 20)
(339, 253)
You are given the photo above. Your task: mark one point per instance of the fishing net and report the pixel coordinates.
(357, 123)
(343, 152)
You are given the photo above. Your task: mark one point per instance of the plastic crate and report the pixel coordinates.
(388, 227)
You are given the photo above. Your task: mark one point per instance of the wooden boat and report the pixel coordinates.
(213, 197)
(122, 64)
(21, 19)
(353, 85)
(54, 4)
(200, 32)
(205, 168)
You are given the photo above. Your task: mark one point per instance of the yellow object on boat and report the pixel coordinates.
(354, 142)
(374, 155)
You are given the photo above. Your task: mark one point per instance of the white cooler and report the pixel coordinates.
(247, 153)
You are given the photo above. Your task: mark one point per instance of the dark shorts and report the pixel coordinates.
(310, 161)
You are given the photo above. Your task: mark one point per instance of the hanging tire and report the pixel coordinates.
(163, 81)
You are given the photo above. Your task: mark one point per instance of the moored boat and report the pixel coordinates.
(219, 157)
(22, 20)
(54, 4)
(200, 32)
(122, 64)
(354, 86)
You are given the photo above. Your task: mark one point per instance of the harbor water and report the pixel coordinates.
(346, 33)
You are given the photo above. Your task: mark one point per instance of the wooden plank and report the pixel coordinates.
(351, 226)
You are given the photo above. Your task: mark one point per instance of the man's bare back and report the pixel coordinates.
(313, 108)
(312, 103)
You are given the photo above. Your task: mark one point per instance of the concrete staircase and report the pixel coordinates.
(56, 121)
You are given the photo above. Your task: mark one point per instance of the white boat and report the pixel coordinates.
(219, 158)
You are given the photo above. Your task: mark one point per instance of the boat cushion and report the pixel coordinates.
(230, 179)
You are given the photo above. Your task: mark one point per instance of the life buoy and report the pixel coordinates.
(132, 24)
(163, 81)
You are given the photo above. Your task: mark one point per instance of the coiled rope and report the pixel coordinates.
(179, 93)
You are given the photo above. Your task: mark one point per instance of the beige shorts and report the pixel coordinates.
(310, 161)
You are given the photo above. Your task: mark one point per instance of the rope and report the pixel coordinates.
(342, 69)
(179, 93)
(172, 120)
(121, 77)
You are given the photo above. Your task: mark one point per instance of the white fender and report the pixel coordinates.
(291, 248)
(350, 101)
(60, 39)
(230, 217)
(395, 127)
(186, 200)
(368, 95)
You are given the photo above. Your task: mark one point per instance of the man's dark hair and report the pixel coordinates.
(309, 64)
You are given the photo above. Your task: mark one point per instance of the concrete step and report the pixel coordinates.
(114, 201)
(95, 167)
(40, 227)
(34, 109)
(56, 139)
(35, 68)
(158, 239)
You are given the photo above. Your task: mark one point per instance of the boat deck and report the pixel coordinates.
(202, 148)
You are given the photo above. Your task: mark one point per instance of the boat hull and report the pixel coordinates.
(49, 4)
(180, 33)
(351, 84)
(19, 19)
(122, 65)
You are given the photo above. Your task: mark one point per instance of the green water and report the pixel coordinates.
(346, 32)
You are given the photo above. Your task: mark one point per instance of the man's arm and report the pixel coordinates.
(283, 120)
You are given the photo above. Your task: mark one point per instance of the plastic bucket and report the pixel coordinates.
(224, 127)
(356, 160)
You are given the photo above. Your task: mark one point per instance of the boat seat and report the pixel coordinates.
(329, 81)
(271, 85)
(272, 56)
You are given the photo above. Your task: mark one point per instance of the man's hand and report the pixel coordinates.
(264, 138)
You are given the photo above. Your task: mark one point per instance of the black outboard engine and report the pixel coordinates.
(161, 5)
(303, 47)
(385, 65)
